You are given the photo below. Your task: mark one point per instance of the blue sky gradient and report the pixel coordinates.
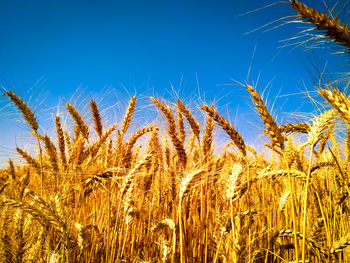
(48, 49)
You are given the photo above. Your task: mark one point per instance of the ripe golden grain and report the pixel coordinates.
(234, 135)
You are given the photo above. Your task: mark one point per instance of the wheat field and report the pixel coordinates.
(168, 193)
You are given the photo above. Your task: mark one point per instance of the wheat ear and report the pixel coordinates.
(46, 218)
(311, 242)
(93, 149)
(97, 117)
(300, 127)
(24, 108)
(131, 142)
(128, 115)
(228, 128)
(282, 173)
(127, 184)
(194, 125)
(12, 170)
(338, 100)
(208, 136)
(320, 123)
(341, 244)
(180, 125)
(79, 122)
(51, 152)
(234, 182)
(322, 21)
(77, 151)
(271, 127)
(30, 160)
(172, 130)
(187, 181)
(61, 141)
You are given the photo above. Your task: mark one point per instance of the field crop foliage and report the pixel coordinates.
(92, 193)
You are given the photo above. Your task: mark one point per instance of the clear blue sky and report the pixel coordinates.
(50, 48)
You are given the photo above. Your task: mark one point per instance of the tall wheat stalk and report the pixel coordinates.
(31, 120)
(319, 124)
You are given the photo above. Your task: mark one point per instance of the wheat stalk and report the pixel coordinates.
(184, 186)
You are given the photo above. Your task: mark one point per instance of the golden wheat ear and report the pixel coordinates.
(228, 128)
(61, 141)
(339, 33)
(166, 110)
(300, 127)
(319, 125)
(30, 160)
(80, 127)
(128, 115)
(97, 117)
(194, 125)
(208, 136)
(338, 100)
(27, 112)
(272, 129)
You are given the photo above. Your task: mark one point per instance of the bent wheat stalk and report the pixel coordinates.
(319, 124)
(184, 186)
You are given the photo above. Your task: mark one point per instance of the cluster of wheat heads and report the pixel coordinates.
(95, 194)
